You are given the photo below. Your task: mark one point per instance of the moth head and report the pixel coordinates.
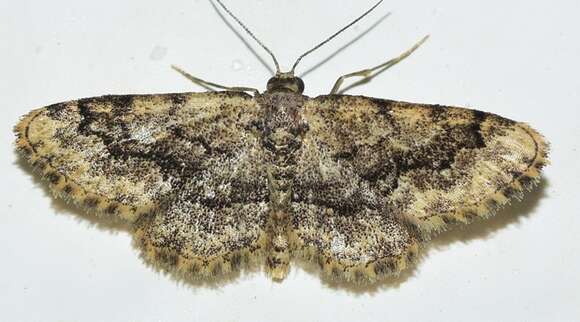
(285, 82)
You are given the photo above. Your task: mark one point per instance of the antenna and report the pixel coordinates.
(334, 35)
(251, 35)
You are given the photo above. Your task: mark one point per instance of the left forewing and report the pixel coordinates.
(124, 154)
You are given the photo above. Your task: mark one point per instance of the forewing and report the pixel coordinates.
(123, 154)
(395, 172)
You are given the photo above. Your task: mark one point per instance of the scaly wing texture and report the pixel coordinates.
(377, 177)
(185, 168)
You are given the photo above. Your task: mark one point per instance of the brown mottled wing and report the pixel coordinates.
(184, 167)
(377, 176)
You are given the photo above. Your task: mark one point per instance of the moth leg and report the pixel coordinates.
(370, 73)
(211, 86)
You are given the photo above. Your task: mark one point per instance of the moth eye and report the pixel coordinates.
(300, 84)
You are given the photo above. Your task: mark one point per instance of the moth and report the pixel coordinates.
(216, 182)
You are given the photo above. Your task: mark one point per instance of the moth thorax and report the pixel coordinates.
(283, 127)
(281, 141)
(285, 83)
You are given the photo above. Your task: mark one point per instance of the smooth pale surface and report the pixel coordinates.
(518, 59)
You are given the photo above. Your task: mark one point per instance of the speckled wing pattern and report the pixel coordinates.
(378, 177)
(180, 166)
(213, 182)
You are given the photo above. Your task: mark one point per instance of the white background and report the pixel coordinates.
(519, 59)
